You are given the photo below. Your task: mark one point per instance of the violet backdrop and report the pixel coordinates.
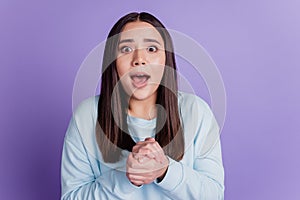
(255, 45)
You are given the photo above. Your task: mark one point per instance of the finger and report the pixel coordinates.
(133, 181)
(146, 149)
(142, 165)
(143, 159)
(147, 140)
(143, 168)
(151, 150)
(140, 156)
(142, 143)
(141, 179)
(150, 139)
(160, 154)
(148, 145)
(137, 183)
(139, 145)
(135, 177)
(138, 171)
(133, 163)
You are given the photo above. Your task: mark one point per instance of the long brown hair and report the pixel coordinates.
(113, 137)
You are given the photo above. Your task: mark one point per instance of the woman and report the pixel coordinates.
(141, 138)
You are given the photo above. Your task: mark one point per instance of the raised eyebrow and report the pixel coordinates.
(152, 40)
(126, 41)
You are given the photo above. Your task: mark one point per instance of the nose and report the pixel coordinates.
(138, 58)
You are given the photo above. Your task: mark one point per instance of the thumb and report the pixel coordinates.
(150, 139)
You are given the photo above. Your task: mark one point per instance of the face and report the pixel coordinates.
(140, 60)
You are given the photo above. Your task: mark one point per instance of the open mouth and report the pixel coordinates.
(139, 80)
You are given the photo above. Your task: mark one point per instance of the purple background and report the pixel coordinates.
(255, 45)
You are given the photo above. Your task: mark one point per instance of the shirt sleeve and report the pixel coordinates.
(77, 178)
(205, 179)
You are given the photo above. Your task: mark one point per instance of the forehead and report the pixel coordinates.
(139, 30)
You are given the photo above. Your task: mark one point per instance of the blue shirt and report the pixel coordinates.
(199, 175)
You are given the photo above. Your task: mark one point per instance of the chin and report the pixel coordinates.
(138, 95)
(144, 93)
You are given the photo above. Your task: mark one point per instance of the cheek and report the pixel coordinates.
(158, 68)
(120, 72)
(158, 72)
(121, 67)
(161, 61)
(159, 58)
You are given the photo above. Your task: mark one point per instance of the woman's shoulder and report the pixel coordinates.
(83, 118)
(191, 102)
(87, 107)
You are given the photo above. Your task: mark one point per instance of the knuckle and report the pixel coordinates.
(134, 148)
(148, 145)
(147, 151)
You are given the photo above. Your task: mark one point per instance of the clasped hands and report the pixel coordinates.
(146, 162)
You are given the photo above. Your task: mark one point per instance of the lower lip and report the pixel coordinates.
(139, 85)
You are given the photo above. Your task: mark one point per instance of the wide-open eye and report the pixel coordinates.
(152, 49)
(126, 49)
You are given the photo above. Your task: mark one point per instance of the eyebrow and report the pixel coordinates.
(126, 41)
(145, 40)
(151, 40)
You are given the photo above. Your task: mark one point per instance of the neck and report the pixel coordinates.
(144, 109)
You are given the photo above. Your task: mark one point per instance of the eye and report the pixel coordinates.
(152, 49)
(126, 49)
